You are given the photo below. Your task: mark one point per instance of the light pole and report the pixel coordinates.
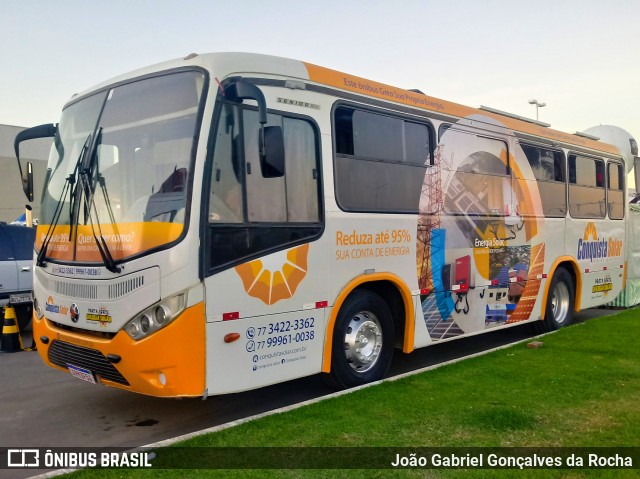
(538, 106)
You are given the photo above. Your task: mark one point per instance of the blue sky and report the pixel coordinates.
(580, 57)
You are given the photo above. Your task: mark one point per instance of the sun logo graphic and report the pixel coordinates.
(276, 276)
(590, 232)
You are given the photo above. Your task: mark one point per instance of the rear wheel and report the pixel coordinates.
(560, 300)
(362, 341)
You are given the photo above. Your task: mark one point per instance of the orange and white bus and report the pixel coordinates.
(224, 222)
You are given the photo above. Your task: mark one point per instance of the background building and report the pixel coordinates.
(12, 198)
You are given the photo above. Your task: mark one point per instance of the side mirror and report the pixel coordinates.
(272, 162)
(27, 181)
(42, 131)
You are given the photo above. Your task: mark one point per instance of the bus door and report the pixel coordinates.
(266, 281)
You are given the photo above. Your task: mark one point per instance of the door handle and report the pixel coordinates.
(25, 269)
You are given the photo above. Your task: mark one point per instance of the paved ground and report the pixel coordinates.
(44, 407)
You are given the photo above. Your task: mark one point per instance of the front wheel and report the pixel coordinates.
(560, 300)
(362, 341)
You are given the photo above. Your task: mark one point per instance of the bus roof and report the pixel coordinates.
(246, 64)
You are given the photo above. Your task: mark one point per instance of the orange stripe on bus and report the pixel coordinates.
(409, 320)
(370, 88)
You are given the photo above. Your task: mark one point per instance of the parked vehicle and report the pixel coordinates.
(229, 221)
(16, 270)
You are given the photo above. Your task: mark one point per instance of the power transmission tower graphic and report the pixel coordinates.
(429, 217)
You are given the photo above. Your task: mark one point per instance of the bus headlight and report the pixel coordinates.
(37, 308)
(133, 329)
(145, 323)
(156, 317)
(162, 314)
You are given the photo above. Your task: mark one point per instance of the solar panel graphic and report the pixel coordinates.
(530, 293)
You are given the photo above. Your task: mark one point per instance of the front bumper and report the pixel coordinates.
(168, 363)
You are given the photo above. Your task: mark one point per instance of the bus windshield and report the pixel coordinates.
(134, 144)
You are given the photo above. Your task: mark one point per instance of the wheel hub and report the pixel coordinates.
(363, 341)
(560, 302)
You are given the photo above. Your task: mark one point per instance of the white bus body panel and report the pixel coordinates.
(277, 331)
(271, 349)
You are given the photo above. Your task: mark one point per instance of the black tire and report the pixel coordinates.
(560, 301)
(370, 315)
(23, 314)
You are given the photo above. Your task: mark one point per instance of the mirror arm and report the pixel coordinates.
(262, 146)
(242, 90)
(41, 131)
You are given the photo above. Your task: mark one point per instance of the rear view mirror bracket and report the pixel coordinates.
(271, 141)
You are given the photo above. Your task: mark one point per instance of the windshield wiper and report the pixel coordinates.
(88, 189)
(73, 213)
(103, 249)
(66, 188)
(93, 170)
(103, 187)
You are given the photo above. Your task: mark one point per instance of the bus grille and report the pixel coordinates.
(62, 354)
(77, 290)
(97, 290)
(125, 287)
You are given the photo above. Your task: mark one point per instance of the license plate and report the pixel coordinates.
(20, 298)
(82, 373)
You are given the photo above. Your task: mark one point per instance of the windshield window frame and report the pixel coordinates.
(192, 160)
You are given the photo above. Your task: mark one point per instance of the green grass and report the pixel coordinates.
(581, 389)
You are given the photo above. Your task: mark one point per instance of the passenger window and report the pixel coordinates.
(481, 184)
(380, 161)
(417, 144)
(586, 187)
(615, 193)
(548, 170)
(377, 137)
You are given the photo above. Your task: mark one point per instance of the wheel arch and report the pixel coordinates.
(571, 265)
(393, 290)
